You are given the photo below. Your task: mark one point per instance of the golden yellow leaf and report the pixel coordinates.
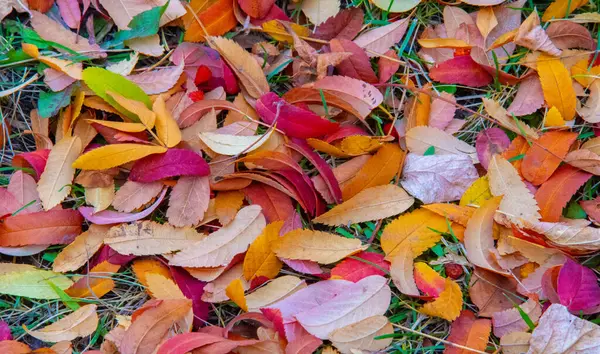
(477, 193)
(243, 65)
(418, 109)
(227, 204)
(237, 116)
(553, 118)
(486, 21)
(443, 43)
(560, 8)
(78, 252)
(455, 213)
(142, 267)
(359, 144)
(235, 291)
(146, 116)
(413, 230)
(109, 156)
(557, 85)
(370, 204)
(260, 260)
(317, 246)
(167, 129)
(276, 30)
(583, 74)
(73, 70)
(80, 323)
(448, 305)
(55, 181)
(122, 126)
(161, 287)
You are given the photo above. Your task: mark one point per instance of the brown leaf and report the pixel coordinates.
(567, 35)
(188, 201)
(345, 25)
(515, 343)
(470, 332)
(492, 292)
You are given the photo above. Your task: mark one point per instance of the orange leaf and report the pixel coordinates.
(469, 332)
(517, 147)
(227, 204)
(380, 169)
(456, 213)
(556, 192)
(544, 157)
(447, 305)
(143, 267)
(235, 291)
(96, 283)
(418, 108)
(216, 16)
(428, 280)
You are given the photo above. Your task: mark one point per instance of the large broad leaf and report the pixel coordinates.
(109, 156)
(377, 41)
(41, 228)
(447, 305)
(28, 281)
(317, 246)
(174, 162)
(274, 291)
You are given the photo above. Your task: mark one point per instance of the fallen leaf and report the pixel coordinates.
(461, 70)
(492, 293)
(393, 6)
(428, 280)
(560, 8)
(42, 228)
(80, 323)
(274, 291)
(577, 287)
(437, 178)
(157, 81)
(215, 291)
(470, 332)
(377, 41)
(477, 193)
(556, 85)
(235, 291)
(133, 195)
(275, 204)
(544, 157)
(567, 35)
(504, 119)
(531, 35)
(318, 12)
(317, 246)
(96, 283)
(355, 269)
(188, 201)
(78, 252)
(419, 139)
(260, 260)
(232, 145)
(529, 98)
(24, 189)
(401, 272)
(357, 66)
(486, 21)
(346, 24)
(174, 162)
(555, 193)
(511, 320)
(31, 282)
(490, 142)
(362, 335)
(219, 248)
(515, 342)
(448, 305)
(109, 156)
(106, 217)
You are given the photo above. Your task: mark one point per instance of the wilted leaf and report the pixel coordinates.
(317, 246)
(80, 323)
(531, 35)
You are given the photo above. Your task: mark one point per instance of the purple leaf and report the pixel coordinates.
(578, 288)
(5, 331)
(107, 217)
(111, 256)
(193, 289)
(293, 121)
(174, 162)
(490, 142)
(321, 165)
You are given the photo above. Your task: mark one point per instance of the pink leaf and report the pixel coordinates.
(387, 67)
(461, 70)
(442, 113)
(157, 81)
(490, 142)
(187, 342)
(107, 217)
(174, 162)
(304, 344)
(23, 187)
(113, 136)
(56, 80)
(578, 288)
(133, 195)
(354, 270)
(70, 12)
(188, 201)
(304, 267)
(293, 121)
(9, 204)
(529, 98)
(193, 289)
(35, 159)
(303, 185)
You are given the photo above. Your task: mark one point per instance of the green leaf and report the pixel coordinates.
(28, 281)
(142, 25)
(430, 151)
(101, 80)
(66, 299)
(50, 102)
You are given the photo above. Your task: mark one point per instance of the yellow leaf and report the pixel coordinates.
(504, 38)
(142, 267)
(359, 145)
(418, 109)
(448, 305)
(583, 74)
(413, 230)
(477, 193)
(276, 30)
(55, 181)
(455, 213)
(80, 323)
(244, 66)
(167, 129)
(553, 118)
(146, 116)
(274, 291)
(317, 246)
(557, 85)
(122, 126)
(73, 70)
(28, 281)
(325, 147)
(161, 287)
(560, 8)
(78, 252)
(109, 156)
(260, 260)
(370, 204)
(443, 43)
(486, 21)
(235, 291)
(227, 204)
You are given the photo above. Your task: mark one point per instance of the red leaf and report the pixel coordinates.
(111, 256)
(305, 190)
(556, 192)
(387, 68)
(41, 228)
(186, 342)
(293, 121)
(275, 13)
(305, 344)
(345, 25)
(174, 162)
(461, 70)
(256, 8)
(578, 288)
(35, 159)
(355, 270)
(275, 204)
(344, 132)
(358, 66)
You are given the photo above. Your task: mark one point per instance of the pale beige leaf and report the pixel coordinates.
(318, 11)
(219, 248)
(157, 81)
(588, 17)
(590, 111)
(146, 45)
(568, 236)
(421, 138)
(370, 204)
(188, 201)
(78, 252)
(123, 11)
(80, 323)
(133, 195)
(531, 35)
(274, 291)
(560, 332)
(231, 145)
(454, 16)
(361, 335)
(63, 347)
(515, 343)
(206, 274)
(517, 203)
(377, 41)
(215, 290)
(584, 159)
(100, 198)
(51, 30)
(54, 183)
(503, 118)
(510, 320)
(593, 145)
(317, 246)
(243, 65)
(162, 287)
(125, 66)
(6, 7)
(150, 238)
(401, 271)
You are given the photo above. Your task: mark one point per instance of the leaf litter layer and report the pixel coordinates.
(261, 176)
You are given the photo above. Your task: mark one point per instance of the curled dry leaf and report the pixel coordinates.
(80, 323)
(531, 35)
(504, 119)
